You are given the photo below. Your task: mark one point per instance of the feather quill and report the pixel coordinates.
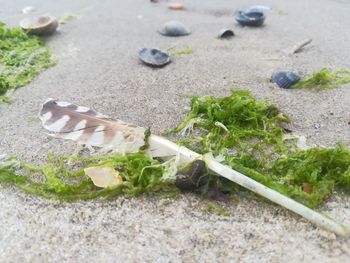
(86, 126)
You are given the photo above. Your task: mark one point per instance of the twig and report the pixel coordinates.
(298, 47)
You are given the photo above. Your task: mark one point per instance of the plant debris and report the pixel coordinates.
(325, 79)
(213, 207)
(248, 136)
(241, 132)
(173, 52)
(299, 46)
(67, 18)
(22, 57)
(64, 178)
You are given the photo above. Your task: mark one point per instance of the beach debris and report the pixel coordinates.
(22, 58)
(154, 57)
(282, 13)
(71, 122)
(325, 79)
(250, 18)
(214, 208)
(226, 33)
(104, 176)
(67, 18)
(89, 127)
(285, 79)
(41, 25)
(28, 9)
(176, 52)
(299, 46)
(308, 188)
(176, 6)
(174, 28)
(192, 177)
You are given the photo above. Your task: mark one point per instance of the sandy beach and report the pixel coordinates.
(97, 66)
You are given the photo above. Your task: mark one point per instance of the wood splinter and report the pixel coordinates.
(298, 47)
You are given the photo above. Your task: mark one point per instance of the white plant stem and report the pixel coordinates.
(161, 147)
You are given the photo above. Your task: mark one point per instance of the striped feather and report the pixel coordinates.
(86, 126)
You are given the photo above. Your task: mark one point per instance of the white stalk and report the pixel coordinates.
(161, 147)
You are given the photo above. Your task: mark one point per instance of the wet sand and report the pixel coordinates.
(97, 66)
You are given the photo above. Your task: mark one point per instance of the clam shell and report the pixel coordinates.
(154, 57)
(41, 25)
(285, 79)
(193, 177)
(174, 28)
(226, 33)
(250, 18)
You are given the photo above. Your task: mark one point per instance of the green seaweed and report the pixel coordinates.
(213, 207)
(236, 121)
(22, 57)
(173, 52)
(243, 133)
(325, 79)
(68, 17)
(282, 12)
(248, 136)
(64, 179)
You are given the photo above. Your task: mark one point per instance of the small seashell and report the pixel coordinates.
(192, 178)
(249, 18)
(42, 25)
(154, 57)
(28, 9)
(285, 79)
(174, 28)
(176, 6)
(226, 33)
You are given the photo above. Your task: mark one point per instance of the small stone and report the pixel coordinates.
(317, 126)
(176, 6)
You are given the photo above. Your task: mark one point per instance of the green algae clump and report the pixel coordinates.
(22, 57)
(63, 178)
(325, 79)
(248, 136)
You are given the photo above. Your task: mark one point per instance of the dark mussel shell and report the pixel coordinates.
(193, 177)
(154, 57)
(174, 29)
(285, 79)
(226, 33)
(250, 18)
(41, 25)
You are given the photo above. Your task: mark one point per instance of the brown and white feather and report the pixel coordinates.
(86, 126)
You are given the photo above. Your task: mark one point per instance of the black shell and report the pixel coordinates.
(250, 18)
(154, 57)
(226, 33)
(174, 29)
(192, 178)
(285, 79)
(41, 25)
